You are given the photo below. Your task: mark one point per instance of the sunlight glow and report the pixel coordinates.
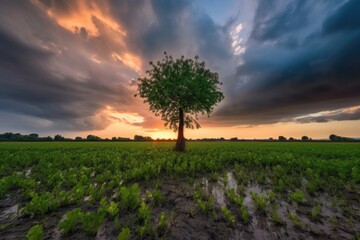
(236, 40)
(129, 60)
(84, 14)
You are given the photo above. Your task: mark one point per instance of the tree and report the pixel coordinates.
(304, 138)
(58, 137)
(178, 90)
(282, 138)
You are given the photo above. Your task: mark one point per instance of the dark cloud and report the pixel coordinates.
(64, 64)
(277, 83)
(341, 115)
(53, 78)
(346, 18)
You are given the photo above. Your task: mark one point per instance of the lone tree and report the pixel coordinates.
(178, 90)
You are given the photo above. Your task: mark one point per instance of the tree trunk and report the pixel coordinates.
(180, 143)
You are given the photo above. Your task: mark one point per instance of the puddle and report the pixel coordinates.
(218, 188)
(231, 182)
(9, 213)
(218, 194)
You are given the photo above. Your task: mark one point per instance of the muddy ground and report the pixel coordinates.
(185, 221)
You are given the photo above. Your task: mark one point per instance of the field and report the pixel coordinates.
(146, 191)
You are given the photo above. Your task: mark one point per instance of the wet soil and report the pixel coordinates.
(185, 221)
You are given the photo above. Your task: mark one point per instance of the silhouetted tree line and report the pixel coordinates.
(35, 137)
(138, 138)
(335, 138)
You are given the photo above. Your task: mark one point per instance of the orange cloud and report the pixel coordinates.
(82, 14)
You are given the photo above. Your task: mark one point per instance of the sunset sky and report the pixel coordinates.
(288, 68)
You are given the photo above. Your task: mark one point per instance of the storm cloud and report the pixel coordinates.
(298, 60)
(67, 65)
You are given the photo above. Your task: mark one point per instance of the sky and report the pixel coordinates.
(288, 68)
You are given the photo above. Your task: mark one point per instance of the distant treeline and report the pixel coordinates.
(138, 138)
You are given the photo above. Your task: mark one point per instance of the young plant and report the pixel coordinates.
(35, 233)
(274, 216)
(124, 234)
(143, 230)
(260, 201)
(41, 204)
(144, 214)
(270, 196)
(158, 197)
(162, 225)
(91, 222)
(229, 217)
(112, 209)
(72, 219)
(130, 197)
(295, 220)
(315, 212)
(234, 197)
(297, 196)
(244, 214)
(205, 206)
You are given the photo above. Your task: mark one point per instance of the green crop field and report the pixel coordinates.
(227, 190)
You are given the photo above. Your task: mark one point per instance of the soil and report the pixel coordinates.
(185, 221)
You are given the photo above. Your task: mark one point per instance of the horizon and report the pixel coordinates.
(288, 69)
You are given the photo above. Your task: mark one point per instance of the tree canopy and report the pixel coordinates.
(179, 89)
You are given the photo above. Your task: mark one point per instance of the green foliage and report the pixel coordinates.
(144, 214)
(174, 84)
(124, 234)
(35, 233)
(59, 170)
(162, 224)
(295, 220)
(229, 217)
(41, 204)
(72, 219)
(260, 201)
(113, 209)
(205, 204)
(315, 212)
(158, 197)
(234, 197)
(274, 216)
(297, 196)
(130, 197)
(91, 222)
(270, 196)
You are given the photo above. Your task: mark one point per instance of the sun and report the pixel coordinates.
(163, 135)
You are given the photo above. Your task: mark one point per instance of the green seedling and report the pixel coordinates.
(124, 234)
(91, 222)
(234, 197)
(162, 225)
(158, 196)
(130, 197)
(270, 196)
(41, 204)
(113, 209)
(144, 214)
(260, 201)
(274, 216)
(71, 220)
(35, 233)
(297, 196)
(315, 212)
(229, 217)
(244, 214)
(295, 220)
(206, 206)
